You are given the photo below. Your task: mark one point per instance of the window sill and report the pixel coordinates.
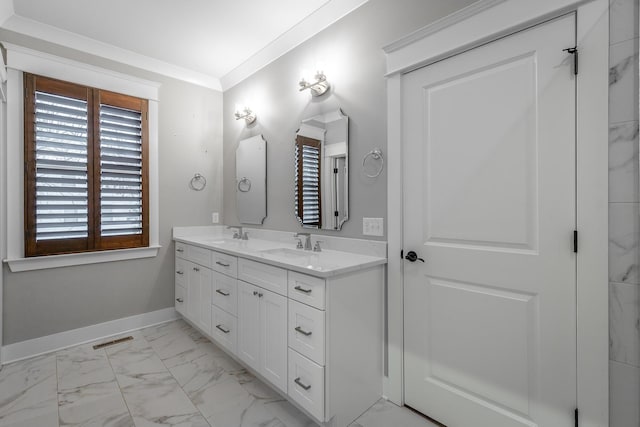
(67, 260)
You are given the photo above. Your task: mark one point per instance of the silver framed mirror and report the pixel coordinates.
(251, 180)
(321, 194)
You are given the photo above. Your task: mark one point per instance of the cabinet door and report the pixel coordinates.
(193, 290)
(204, 300)
(273, 343)
(249, 325)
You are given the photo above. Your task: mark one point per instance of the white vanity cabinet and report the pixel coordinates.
(262, 330)
(194, 285)
(318, 340)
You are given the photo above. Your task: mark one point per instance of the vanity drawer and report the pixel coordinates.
(306, 384)
(226, 264)
(199, 255)
(181, 272)
(306, 331)
(224, 328)
(306, 289)
(225, 293)
(180, 306)
(181, 250)
(263, 275)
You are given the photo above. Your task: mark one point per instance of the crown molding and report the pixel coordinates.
(319, 20)
(75, 41)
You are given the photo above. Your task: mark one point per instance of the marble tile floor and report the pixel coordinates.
(168, 375)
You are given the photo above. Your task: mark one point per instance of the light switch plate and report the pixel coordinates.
(215, 217)
(373, 226)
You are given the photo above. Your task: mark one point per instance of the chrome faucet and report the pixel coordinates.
(307, 241)
(238, 234)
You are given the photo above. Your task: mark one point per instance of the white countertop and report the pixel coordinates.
(327, 263)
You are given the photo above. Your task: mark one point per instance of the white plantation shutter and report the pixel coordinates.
(308, 181)
(61, 159)
(121, 171)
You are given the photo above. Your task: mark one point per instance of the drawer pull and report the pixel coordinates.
(301, 384)
(301, 289)
(302, 331)
(179, 272)
(223, 329)
(196, 269)
(179, 300)
(223, 293)
(222, 264)
(179, 250)
(255, 293)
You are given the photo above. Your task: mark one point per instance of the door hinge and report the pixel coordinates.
(576, 416)
(573, 51)
(575, 241)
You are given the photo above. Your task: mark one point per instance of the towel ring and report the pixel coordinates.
(198, 182)
(244, 185)
(375, 154)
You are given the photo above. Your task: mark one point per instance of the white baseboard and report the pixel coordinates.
(37, 346)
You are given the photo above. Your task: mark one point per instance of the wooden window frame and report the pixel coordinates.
(94, 241)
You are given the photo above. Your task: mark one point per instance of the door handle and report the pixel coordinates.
(413, 257)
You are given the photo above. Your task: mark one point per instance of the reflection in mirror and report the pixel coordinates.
(251, 180)
(322, 171)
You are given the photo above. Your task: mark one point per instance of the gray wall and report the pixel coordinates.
(351, 50)
(39, 303)
(624, 217)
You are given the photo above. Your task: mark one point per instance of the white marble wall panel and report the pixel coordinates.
(624, 239)
(623, 162)
(623, 81)
(624, 216)
(624, 396)
(624, 320)
(624, 14)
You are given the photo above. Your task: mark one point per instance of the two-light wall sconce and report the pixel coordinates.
(246, 114)
(317, 87)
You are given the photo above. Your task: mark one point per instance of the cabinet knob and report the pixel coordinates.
(179, 250)
(260, 295)
(179, 300)
(179, 272)
(196, 269)
(255, 293)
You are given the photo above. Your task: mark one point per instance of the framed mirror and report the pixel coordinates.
(251, 180)
(322, 171)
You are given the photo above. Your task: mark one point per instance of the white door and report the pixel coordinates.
(273, 326)
(489, 204)
(249, 324)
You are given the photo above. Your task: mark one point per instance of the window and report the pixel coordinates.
(308, 200)
(86, 169)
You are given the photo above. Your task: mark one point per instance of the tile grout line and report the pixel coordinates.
(115, 377)
(178, 382)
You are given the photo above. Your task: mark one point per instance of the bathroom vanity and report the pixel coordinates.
(309, 323)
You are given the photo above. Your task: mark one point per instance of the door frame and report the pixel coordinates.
(477, 24)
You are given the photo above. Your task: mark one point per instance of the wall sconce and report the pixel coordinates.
(318, 87)
(246, 114)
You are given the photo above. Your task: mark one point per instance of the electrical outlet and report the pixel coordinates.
(373, 226)
(215, 217)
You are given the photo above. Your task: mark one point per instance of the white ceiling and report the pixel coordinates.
(214, 43)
